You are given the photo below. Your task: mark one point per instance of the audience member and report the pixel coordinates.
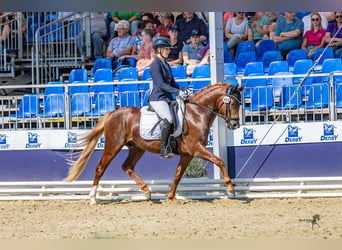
(9, 34)
(329, 15)
(133, 19)
(165, 21)
(145, 55)
(314, 37)
(257, 27)
(175, 56)
(289, 33)
(98, 30)
(272, 17)
(122, 44)
(236, 31)
(149, 24)
(307, 22)
(189, 23)
(226, 16)
(203, 15)
(332, 29)
(191, 56)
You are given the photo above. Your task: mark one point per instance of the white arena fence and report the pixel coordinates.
(189, 188)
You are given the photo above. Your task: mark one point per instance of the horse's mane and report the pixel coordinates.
(209, 90)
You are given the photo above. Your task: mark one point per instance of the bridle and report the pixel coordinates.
(225, 101)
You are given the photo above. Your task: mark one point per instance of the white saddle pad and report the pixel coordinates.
(148, 120)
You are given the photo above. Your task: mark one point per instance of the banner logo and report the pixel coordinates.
(248, 136)
(72, 140)
(328, 133)
(33, 140)
(3, 142)
(101, 143)
(293, 135)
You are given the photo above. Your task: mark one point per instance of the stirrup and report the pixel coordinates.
(166, 155)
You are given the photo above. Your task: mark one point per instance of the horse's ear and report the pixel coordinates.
(241, 88)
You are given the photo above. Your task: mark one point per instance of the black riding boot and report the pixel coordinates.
(165, 130)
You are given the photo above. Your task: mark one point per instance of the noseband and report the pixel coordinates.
(230, 93)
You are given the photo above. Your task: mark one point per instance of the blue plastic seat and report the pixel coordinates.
(301, 67)
(28, 107)
(179, 72)
(126, 75)
(80, 104)
(200, 71)
(285, 101)
(129, 98)
(146, 75)
(279, 83)
(261, 99)
(248, 46)
(78, 75)
(331, 65)
(101, 63)
(269, 57)
(293, 56)
(329, 53)
(230, 73)
(318, 96)
(227, 56)
(242, 60)
(53, 106)
(103, 75)
(265, 45)
(52, 89)
(252, 83)
(254, 68)
(338, 95)
(105, 102)
(275, 67)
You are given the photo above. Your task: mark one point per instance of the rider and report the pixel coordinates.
(164, 85)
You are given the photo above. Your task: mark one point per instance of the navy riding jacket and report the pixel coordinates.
(164, 85)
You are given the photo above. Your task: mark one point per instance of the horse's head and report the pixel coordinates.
(229, 106)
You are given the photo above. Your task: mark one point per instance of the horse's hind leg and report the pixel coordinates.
(128, 166)
(108, 155)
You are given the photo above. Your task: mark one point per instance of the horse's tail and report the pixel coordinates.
(90, 140)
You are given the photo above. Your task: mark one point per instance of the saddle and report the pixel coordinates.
(149, 121)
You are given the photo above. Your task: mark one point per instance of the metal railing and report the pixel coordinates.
(82, 111)
(189, 188)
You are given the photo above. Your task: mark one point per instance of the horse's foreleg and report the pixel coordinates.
(205, 154)
(107, 157)
(183, 164)
(128, 166)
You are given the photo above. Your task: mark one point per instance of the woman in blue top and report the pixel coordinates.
(164, 85)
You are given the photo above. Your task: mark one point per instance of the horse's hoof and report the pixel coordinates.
(231, 193)
(147, 195)
(92, 201)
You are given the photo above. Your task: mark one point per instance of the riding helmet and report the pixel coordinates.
(161, 42)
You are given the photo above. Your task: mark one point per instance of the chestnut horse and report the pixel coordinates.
(121, 127)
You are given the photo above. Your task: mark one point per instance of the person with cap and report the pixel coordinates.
(175, 57)
(164, 85)
(189, 22)
(191, 56)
